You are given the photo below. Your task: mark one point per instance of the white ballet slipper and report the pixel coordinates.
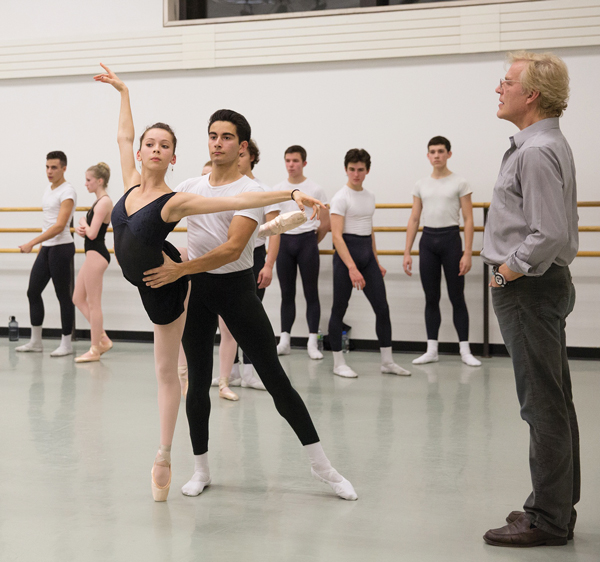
(30, 347)
(468, 359)
(282, 223)
(343, 489)
(394, 369)
(426, 358)
(344, 371)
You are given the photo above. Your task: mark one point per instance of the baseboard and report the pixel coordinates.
(450, 348)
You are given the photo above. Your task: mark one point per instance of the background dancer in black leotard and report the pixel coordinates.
(87, 295)
(142, 219)
(220, 248)
(55, 258)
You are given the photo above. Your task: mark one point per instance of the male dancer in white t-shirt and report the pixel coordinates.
(299, 249)
(55, 258)
(440, 197)
(220, 248)
(356, 265)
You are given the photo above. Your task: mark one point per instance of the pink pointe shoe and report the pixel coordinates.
(282, 223)
(92, 355)
(105, 344)
(163, 458)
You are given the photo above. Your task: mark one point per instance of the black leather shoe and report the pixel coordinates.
(514, 515)
(520, 534)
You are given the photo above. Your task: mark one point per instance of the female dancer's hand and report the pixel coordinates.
(407, 265)
(26, 248)
(167, 273)
(80, 228)
(302, 199)
(110, 78)
(382, 269)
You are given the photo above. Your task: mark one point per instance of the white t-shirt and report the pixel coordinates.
(269, 209)
(441, 200)
(206, 232)
(51, 202)
(310, 188)
(357, 208)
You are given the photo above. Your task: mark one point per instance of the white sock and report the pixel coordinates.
(284, 344)
(322, 470)
(340, 368)
(386, 355)
(35, 343)
(313, 347)
(430, 356)
(466, 356)
(65, 347)
(200, 478)
(388, 365)
(250, 379)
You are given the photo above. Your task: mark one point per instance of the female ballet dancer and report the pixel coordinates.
(88, 287)
(141, 220)
(440, 197)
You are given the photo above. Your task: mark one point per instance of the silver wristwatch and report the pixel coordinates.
(499, 278)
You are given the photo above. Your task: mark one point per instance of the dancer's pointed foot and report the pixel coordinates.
(342, 487)
(105, 344)
(92, 355)
(161, 474)
(226, 392)
(282, 223)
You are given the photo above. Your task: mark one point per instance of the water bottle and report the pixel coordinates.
(345, 342)
(13, 329)
(320, 340)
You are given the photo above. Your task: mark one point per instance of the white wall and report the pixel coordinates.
(390, 107)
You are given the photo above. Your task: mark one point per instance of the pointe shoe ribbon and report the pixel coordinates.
(104, 347)
(226, 392)
(282, 223)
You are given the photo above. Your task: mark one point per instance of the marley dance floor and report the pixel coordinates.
(436, 458)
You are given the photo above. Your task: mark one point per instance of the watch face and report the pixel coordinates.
(499, 278)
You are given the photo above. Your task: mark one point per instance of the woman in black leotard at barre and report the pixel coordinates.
(142, 219)
(87, 295)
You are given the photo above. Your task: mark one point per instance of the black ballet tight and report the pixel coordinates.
(56, 263)
(361, 250)
(233, 297)
(442, 248)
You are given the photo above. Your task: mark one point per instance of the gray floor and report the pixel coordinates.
(436, 458)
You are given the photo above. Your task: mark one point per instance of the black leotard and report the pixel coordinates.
(139, 243)
(97, 244)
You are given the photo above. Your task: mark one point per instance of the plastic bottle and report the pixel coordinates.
(320, 340)
(345, 342)
(13, 329)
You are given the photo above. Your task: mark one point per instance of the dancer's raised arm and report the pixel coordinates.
(126, 132)
(185, 204)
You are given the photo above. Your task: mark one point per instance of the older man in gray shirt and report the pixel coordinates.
(530, 239)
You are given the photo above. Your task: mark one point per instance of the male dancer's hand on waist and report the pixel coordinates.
(167, 273)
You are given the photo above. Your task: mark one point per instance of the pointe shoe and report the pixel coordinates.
(160, 493)
(226, 392)
(92, 355)
(182, 371)
(105, 344)
(282, 223)
(343, 489)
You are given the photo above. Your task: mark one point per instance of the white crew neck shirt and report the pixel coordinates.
(268, 209)
(310, 188)
(357, 208)
(441, 200)
(207, 232)
(51, 201)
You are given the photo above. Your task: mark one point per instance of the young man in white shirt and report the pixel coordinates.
(356, 265)
(440, 198)
(55, 258)
(220, 248)
(299, 250)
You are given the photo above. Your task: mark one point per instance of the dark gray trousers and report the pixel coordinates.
(531, 312)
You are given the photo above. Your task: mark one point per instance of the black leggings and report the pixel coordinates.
(299, 251)
(233, 297)
(56, 263)
(442, 247)
(361, 250)
(260, 255)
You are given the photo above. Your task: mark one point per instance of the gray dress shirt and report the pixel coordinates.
(532, 221)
